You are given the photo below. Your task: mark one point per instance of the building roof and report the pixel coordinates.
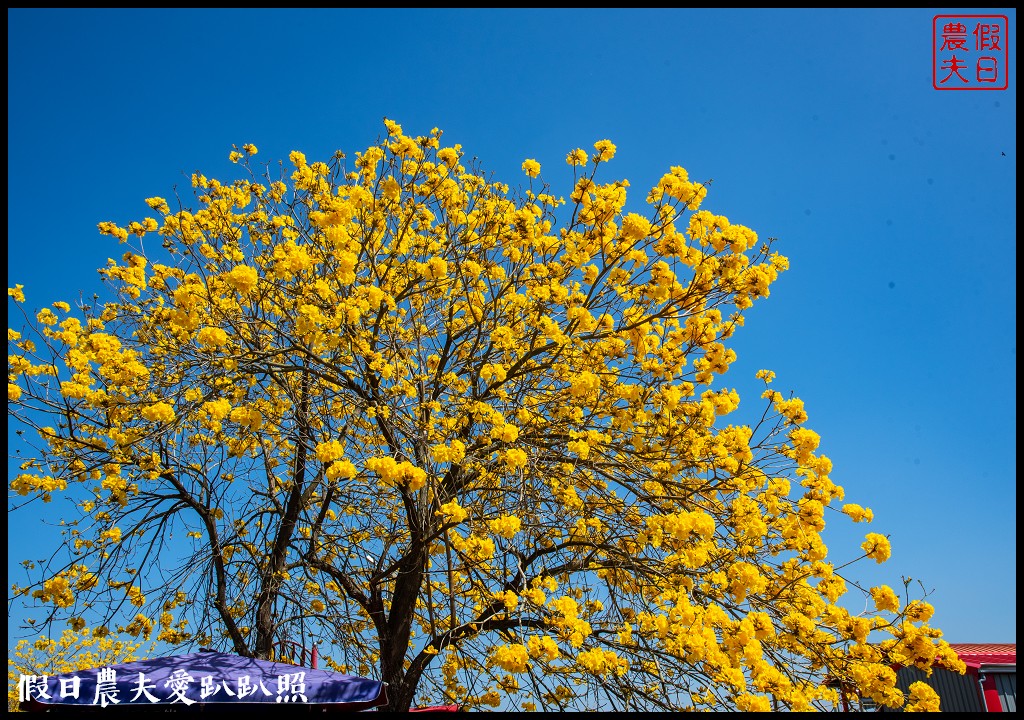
(978, 654)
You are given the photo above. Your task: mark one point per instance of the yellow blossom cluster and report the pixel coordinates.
(544, 647)
(513, 658)
(601, 662)
(877, 547)
(453, 512)
(506, 526)
(399, 473)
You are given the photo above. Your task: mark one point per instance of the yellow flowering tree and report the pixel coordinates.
(474, 440)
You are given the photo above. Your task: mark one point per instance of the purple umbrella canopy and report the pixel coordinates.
(200, 679)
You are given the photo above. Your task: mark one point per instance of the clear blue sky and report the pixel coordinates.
(894, 202)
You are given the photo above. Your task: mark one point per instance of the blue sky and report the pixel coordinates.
(895, 202)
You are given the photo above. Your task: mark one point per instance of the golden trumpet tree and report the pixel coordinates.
(473, 440)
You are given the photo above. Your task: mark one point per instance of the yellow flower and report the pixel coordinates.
(341, 469)
(449, 156)
(329, 451)
(509, 598)
(436, 268)
(136, 597)
(449, 453)
(605, 150)
(506, 526)
(16, 293)
(242, 278)
(600, 662)
(452, 511)
(535, 595)
(531, 168)
(793, 409)
(877, 547)
(56, 590)
(491, 698)
(109, 228)
(217, 409)
(512, 658)
(158, 204)
(140, 625)
(505, 433)
(212, 337)
(919, 611)
(543, 646)
(159, 412)
(577, 157)
(635, 227)
(858, 513)
(923, 698)
(250, 417)
(515, 458)
(753, 703)
(391, 189)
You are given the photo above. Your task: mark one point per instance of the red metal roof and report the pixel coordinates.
(977, 654)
